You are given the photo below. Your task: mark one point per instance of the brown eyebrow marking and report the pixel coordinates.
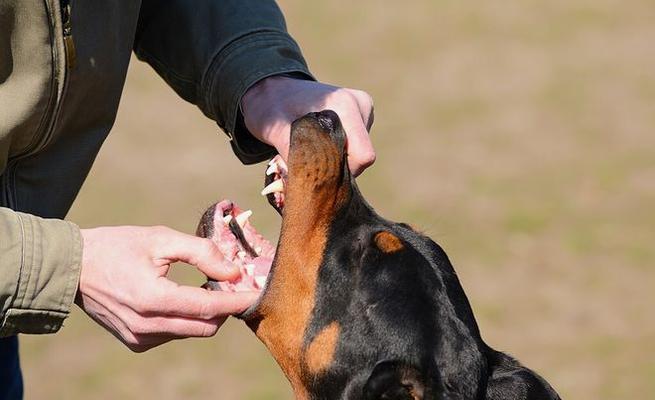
(320, 352)
(388, 242)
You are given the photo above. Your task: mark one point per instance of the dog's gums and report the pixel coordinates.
(229, 227)
(239, 243)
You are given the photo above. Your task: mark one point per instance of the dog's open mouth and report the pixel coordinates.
(227, 225)
(318, 163)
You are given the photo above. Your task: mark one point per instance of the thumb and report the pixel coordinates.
(202, 253)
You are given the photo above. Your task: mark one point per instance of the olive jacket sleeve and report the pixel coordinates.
(41, 265)
(211, 52)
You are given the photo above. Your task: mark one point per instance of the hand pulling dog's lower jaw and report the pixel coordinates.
(247, 314)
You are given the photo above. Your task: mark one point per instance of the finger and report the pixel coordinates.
(365, 105)
(199, 252)
(154, 330)
(198, 303)
(361, 154)
(223, 205)
(281, 143)
(143, 344)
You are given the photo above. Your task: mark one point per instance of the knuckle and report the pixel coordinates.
(204, 310)
(139, 329)
(134, 323)
(138, 306)
(363, 99)
(159, 229)
(159, 235)
(344, 96)
(138, 348)
(367, 158)
(345, 92)
(213, 251)
(369, 100)
(132, 342)
(205, 331)
(210, 331)
(210, 328)
(141, 305)
(208, 247)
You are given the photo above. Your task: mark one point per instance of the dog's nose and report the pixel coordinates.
(328, 119)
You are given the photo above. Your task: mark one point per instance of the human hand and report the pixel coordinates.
(271, 105)
(123, 285)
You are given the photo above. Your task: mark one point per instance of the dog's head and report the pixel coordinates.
(352, 302)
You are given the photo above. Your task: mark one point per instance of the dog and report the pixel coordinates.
(355, 306)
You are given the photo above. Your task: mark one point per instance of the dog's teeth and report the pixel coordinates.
(250, 269)
(275, 186)
(258, 250)
(260, 281)
(243, 217)
(272, 169)
(227, 219)
(272, 161)
(241, 254)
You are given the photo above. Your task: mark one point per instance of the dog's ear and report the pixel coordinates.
(395, 380)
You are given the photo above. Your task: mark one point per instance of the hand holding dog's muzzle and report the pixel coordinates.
(271, 105)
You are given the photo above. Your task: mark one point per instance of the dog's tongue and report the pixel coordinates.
(240, 244)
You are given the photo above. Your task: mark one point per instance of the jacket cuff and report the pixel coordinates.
(51, 254)
(234, 70)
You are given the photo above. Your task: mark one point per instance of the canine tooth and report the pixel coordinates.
(241, 254)
(260, 281)
(275, 186)
(272, 169)
(258, 250)
(243, 217)
(250, 269)
(227, 219)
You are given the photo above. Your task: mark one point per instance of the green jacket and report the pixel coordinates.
(62, 70)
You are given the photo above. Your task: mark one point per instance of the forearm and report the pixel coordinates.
(211, 52)
(39, 272)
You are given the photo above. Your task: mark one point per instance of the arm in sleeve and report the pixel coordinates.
(211, 52)
(39, 272)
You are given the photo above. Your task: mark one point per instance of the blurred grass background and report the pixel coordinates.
(518, 134)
